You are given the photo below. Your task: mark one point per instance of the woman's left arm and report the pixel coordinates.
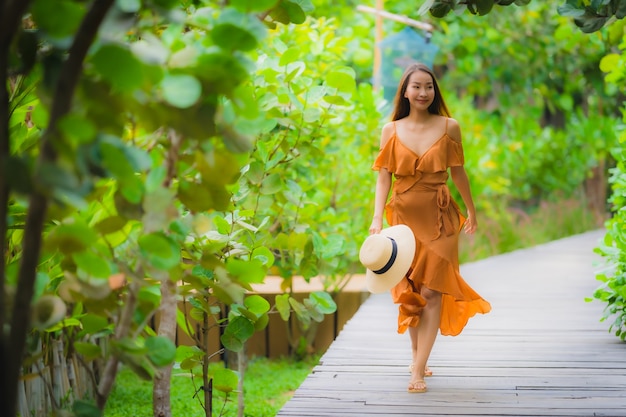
(459, 177)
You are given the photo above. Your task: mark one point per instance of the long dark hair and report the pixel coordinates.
(401, 106)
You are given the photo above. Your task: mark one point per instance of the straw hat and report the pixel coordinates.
(387, 257)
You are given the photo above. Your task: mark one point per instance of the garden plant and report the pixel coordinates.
(163, 156)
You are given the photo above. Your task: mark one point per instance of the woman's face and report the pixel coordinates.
(420, 90)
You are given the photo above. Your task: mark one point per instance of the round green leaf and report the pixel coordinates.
(225, 380)
(58, 18)
(609, 62)
(92, 323)
(69, 238)
(119, 66)
(161, 350)
(89, 350)
(237, 31)
(161, 251)
(181, 90)
(264, 255)
(110, 225)
(272, 184)
(247, 271)
(92, 264)
(236, 333)
(257, 304)
(324, 302)
(342, 78)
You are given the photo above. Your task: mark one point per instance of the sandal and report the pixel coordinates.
(427, 371)
(417, 387)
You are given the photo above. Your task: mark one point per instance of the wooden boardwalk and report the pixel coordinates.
(541, 351)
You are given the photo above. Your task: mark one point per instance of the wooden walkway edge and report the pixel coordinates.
(542, 351)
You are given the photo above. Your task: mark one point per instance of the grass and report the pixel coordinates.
(268, 385)
(512, 228)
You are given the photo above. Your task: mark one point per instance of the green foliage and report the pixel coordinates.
(613, 288)
(144, 167)
(267, 387)
(589, 16)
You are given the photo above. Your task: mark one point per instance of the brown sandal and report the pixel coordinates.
(427, 371)
(417, 387)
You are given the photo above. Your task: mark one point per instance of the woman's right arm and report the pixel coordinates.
(383, 185)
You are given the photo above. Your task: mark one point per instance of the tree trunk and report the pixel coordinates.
(241, 365)
(161, 404)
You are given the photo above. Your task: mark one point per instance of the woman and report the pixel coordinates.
(417, 147)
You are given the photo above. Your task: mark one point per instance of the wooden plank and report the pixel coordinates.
(542, 351)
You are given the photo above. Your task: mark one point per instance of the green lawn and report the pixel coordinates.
(268, 385)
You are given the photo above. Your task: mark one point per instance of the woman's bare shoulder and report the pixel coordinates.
(454, 129)
(387, 132)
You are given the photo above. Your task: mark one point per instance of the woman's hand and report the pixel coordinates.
(470, 224)
(376, 226)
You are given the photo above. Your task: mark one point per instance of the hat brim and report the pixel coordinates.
(403, 235)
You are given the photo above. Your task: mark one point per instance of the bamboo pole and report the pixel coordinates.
(398, 18)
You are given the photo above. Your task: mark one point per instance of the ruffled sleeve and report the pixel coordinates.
(386, 158)
(398, 162)
(455, 153)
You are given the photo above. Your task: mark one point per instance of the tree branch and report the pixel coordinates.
(38, 204)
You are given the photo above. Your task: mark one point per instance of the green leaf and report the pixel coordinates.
(225, 380)
(570, 10)
(257, 304)
(119, 66)
(59, 18)
(94, 265)
(110, 225)
(161, 251)
(289, 11)
(236, 333)
(187, 352)
(93, 323)
(283, 307)
(238, 31)
(342, 78)
(323, 302)
(290, 55)
(609, 62)
(197, 197)
(264, 255)
(181, 91)
(272, 184)
(161, 350)
(89, 350)
(301, 312)
(252, 272)
(70, 238)
(77, 128)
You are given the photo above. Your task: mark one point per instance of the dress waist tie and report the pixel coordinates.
(445, 217)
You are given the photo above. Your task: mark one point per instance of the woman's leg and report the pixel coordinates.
(424, 336)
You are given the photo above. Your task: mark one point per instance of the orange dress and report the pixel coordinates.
(421, 199)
